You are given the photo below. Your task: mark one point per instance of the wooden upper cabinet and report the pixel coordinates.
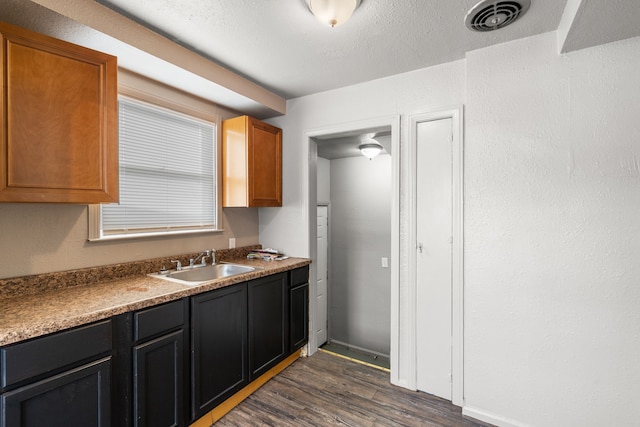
(59, 117)
(251, 163)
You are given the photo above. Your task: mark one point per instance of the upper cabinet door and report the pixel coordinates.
(252, 163)
(59, 118)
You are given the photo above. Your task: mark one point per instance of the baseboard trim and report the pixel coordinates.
(355, 347)
(225, 407)
(491, 418)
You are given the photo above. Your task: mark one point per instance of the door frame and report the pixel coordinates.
(310, 152)
(454, 113)
(327, 205)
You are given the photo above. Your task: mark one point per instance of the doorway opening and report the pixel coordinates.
(354, 247)
(360, 197)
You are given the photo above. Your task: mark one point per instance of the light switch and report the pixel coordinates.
(384, 262)
(232, 242)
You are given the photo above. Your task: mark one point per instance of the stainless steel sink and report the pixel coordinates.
(199, 275)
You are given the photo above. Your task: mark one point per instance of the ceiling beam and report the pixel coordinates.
(107, 21)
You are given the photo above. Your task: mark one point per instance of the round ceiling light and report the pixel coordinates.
(333, 12)
(370, 149)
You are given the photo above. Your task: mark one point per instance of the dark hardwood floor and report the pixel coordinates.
(326, 390)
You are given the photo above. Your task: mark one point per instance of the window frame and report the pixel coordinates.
(141, 89)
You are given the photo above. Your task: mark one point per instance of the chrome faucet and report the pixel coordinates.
(202, 256)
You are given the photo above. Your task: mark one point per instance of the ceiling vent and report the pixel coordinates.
(489, 15)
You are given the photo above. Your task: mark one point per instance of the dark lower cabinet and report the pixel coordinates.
(219, 365)
(159, 368)
(60, 380)
(159, 382)
(146, 368)
(79, 397)
(298, 308)
(267, 323)
(298, 316)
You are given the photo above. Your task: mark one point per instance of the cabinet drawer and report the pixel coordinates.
(41, 355)
(157, 320)
(299, 276)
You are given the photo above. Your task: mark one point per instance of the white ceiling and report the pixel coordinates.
(280, 45)
(279, 50)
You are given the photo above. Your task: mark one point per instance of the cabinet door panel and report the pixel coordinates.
(299, 316)
(79, 397)
(265, 164)
(267, 323)
(218, 346)
(158, 382)
(59, 121)
(252, 163)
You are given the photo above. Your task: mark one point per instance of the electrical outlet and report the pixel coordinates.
(384, 262)
(232, 242)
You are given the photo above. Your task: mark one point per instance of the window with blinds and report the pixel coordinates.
(167, 173)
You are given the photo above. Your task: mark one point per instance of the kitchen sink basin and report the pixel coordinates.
(199, 275)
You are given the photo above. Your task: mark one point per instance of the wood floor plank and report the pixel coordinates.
(325, 390)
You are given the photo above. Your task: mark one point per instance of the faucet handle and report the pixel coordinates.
(206, 255)
(177, 263)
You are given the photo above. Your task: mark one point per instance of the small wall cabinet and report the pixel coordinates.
(58, 120)
(251, 163)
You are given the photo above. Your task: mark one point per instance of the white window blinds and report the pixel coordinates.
(167, 172)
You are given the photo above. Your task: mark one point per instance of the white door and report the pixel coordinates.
(322, 273)
(434, 257)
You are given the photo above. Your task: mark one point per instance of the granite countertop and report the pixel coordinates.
(32, 314)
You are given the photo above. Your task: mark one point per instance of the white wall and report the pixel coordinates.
(552, 236)
(552, 201)
(359, 288)
(424, 90)
(287, 228)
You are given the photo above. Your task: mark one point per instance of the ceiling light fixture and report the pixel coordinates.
(333, 12)
(370, 149)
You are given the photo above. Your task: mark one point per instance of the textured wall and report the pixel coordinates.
(359, 288)
(552, 234)
(552, 197)
(425, 90)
